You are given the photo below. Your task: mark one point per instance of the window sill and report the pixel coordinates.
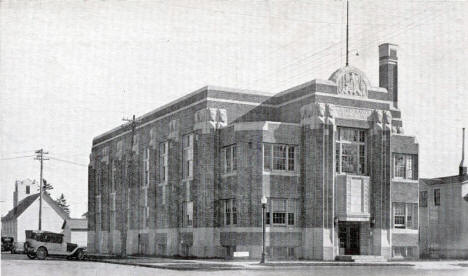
(397, 179)
(285, 173)
(404, 231)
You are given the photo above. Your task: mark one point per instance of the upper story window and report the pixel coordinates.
(28, 189)
(229, 158)
(351, 152)
(423, 199)
(404, 166)
(187, 166)
(113, 176)
(436, 197)
(163, 160)
(279, 157)
(146, 164)
(404, 215)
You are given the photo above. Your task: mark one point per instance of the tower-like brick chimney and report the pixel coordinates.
(462, 168)
(388, 70)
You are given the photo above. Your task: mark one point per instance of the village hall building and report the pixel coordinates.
(330, 156)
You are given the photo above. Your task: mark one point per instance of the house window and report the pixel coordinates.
(187, 213)
(436, 197)
(279, 157)
(404, 215)
(146, 160)
(283, 210)
(229, 155)
(163, 160)
(404, 166)
(423, 199)
(187, 167)
(351, 152)
(28, 189)
(230, 211)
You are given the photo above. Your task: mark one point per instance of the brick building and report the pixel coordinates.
(329, 155)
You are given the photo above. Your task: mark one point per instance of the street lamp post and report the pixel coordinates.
(264, 202)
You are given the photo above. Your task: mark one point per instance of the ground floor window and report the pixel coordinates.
(405, 215)
(281, 252)
(404, 251)
(230, 211)
(281, 212)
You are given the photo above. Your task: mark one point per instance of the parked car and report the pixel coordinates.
(7, 243)
(40, 244)
(18, 248)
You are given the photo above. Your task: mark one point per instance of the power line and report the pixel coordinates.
(68, 161)
(17, 157)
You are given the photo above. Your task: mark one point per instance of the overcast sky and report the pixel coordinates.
(70, 70)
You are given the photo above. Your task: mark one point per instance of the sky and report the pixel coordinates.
(71, 70)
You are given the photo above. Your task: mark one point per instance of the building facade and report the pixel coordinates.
(443, 208)
(330, 156)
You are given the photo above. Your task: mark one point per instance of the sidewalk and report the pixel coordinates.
(221, 264)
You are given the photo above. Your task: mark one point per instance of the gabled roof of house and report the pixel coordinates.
(27, 201)
(20, 208)
(446, 179)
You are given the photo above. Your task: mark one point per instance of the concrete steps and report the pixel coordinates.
(360, 258)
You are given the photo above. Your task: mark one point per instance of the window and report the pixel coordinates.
(284, 212)
(404, 166)
(423, 199)
(146, 160)
(163, 160)
(113, 211)
(404, 215)
(145, 208)
(436, 197)
(229, 155)
(98, 212)
(28, 189)
(351, 154)
(399, 215)
(187, 167)
(113, 176)
(279, 157)
(230, 211)
(187, 213)
(163, 199)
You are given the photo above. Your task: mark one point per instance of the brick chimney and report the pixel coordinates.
(388, 70)
(462, 168)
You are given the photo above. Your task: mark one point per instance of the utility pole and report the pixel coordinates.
(40, 156)
(123, 236)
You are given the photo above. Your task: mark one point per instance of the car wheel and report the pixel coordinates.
(80, 255)
(41, 253)
(31, 255)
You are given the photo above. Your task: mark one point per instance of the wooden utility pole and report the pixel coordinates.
(125, 187)
(40, 156)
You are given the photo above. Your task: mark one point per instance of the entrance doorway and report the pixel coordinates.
(348, 233)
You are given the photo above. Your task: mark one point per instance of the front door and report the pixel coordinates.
(349, 238)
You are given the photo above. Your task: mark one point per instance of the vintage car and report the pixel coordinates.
(7, 244)
(40, 244)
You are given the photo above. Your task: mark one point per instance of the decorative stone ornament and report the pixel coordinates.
(377, 119)
(330, 114)
(174, 129)
(105, 155)
(387, 120)
(350, 81)
(313, 115)
(210, 118)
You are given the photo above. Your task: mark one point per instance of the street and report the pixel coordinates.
(21, 265)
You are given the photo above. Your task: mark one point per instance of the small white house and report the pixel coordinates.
(25, 216)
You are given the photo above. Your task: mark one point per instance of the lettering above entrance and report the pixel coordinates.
(350, 81)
